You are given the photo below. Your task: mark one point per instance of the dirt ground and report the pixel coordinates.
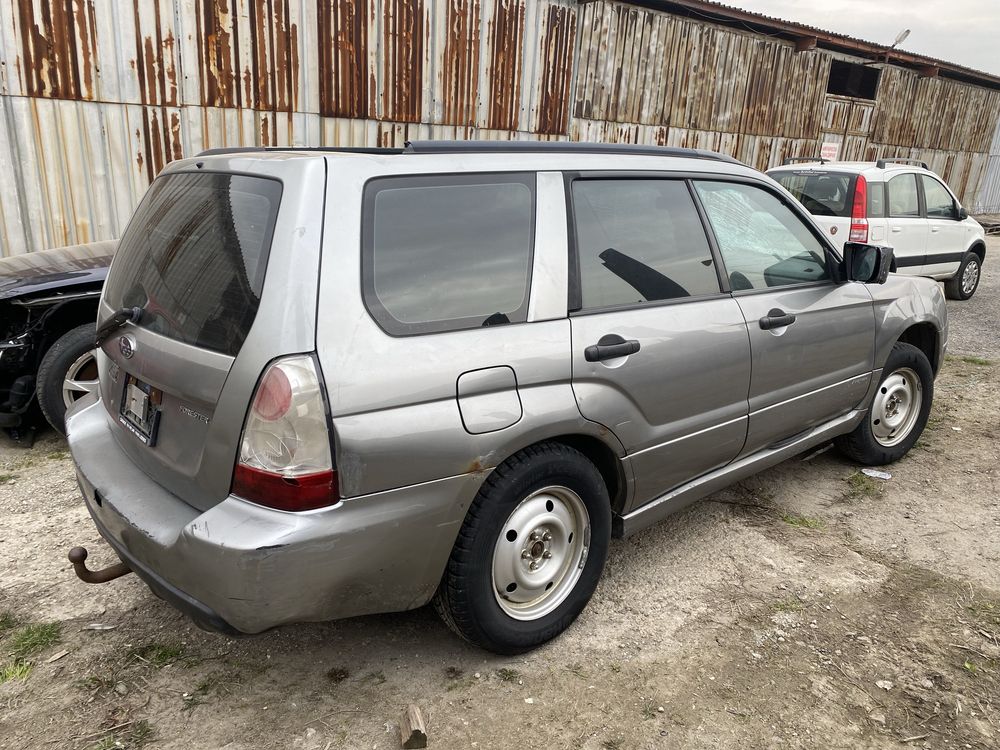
(807, 607)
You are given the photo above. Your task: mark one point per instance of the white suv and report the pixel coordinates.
(895, 202)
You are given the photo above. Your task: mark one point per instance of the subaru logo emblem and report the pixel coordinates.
(126, 347)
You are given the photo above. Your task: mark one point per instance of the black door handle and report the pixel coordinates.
(609, 347)
(776, 318)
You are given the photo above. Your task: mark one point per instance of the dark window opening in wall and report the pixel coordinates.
(850, 79)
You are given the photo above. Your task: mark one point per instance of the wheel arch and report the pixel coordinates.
(65, 317)
(979, 248)
(925, 337)
(601, 448)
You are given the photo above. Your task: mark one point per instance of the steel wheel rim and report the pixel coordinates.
(540, 553)
(80, 379)
(896, 407)
(970, 277)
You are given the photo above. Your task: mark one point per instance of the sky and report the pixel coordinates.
(966, 32)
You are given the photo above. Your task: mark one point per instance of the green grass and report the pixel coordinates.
(861, 485)
(158, 655)
(32, 639)
(19, 670)
(791, 604)
(508, 675)
(4, 478)
(969, 360)
(802, 522)
(58, 455)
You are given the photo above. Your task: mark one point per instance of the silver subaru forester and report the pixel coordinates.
(339, 382)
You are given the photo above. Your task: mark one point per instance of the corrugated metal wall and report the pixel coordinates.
(96, 96)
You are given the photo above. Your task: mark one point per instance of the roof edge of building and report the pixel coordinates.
(728, 15)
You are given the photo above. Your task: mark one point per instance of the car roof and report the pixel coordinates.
(876, 171)
(493, 156)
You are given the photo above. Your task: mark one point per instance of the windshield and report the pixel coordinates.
(194, 255)
(822, 193)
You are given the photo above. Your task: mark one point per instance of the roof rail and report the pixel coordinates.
(797, 159)
(880, 164)
(559, 147)
(496, 147)
(317, 149)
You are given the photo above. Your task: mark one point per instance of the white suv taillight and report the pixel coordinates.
(859, 212)
(285, 459)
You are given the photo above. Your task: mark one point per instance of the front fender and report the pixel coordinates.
(902, 303)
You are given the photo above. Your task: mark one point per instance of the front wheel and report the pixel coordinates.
(530, 552)
(898, 412)
(963, 284)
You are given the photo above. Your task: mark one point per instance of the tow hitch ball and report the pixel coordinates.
(78, 556)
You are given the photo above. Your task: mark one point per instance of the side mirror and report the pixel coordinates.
(868, 264)
(962, 214)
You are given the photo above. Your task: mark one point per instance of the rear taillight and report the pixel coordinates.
(285, 459)
(859, 213)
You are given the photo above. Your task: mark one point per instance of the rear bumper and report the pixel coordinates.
(242, 567)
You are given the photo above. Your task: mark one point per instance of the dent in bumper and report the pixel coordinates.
(257, 568)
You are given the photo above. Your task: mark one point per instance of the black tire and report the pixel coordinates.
(954, 287)
(56, 363)
(466, 598)
(862, 445)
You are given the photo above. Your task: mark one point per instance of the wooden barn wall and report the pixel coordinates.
(96, 96)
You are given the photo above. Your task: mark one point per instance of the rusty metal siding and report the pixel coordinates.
(96, 96)
(934, 113)
(987, 199)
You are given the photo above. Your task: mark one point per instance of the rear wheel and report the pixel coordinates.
(963, 284)
(898, 412)
(68, 373)
(530, 552)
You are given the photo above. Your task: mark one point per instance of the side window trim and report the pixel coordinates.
(374, 306)
(947, 190)
(575, 289)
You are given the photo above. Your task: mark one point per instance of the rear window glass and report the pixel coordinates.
(822, 193)
(194, 255)
(903, 198)
(640, 241)
(444, 252)
(876, 200)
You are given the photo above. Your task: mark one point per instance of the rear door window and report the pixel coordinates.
(640, 241)
(940, 204)
(445, 252)
(904, 201)
(763, 243)
(822, 193)
(194, 256)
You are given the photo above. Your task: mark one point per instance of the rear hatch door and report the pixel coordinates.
(222, 257)
(828, 196)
